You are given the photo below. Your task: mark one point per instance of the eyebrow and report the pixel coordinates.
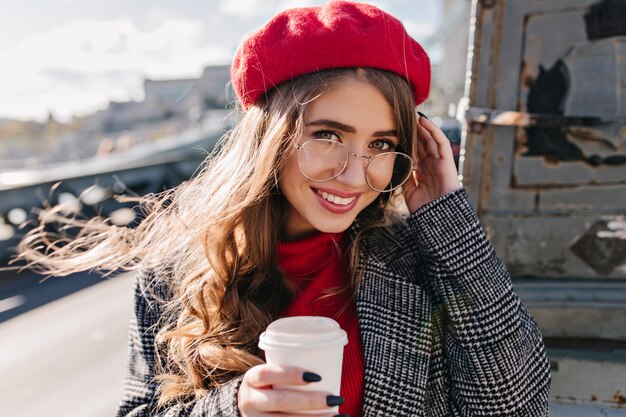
(346, 128)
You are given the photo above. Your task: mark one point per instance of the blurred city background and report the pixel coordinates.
(101, 99)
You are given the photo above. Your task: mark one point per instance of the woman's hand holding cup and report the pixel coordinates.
(258, 397)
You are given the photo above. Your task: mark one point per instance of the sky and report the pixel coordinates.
(71, 57)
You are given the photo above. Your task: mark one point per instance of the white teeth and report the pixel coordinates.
(336, 199)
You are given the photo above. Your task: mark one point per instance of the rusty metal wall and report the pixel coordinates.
(544, 157)
(545, 140)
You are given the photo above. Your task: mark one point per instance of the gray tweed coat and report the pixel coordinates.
(443, 332)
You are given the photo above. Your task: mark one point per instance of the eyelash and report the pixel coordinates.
(317, 135)
(392, 146)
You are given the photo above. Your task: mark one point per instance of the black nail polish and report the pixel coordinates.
(423, 115)
(333, 400)
(311, 377)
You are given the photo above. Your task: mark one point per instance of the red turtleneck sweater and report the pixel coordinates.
(315, 264)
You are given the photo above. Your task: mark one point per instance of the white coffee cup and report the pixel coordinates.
(309, 342)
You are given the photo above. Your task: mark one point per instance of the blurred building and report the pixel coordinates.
(184, 100)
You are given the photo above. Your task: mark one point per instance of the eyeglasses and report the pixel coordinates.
(322, 160)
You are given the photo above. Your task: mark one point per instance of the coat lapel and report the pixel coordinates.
(396, 335)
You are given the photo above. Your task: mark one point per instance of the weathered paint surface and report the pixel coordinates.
(547, 170)
(603, 245)
(608, 370)
(544, 162)
(576, 309)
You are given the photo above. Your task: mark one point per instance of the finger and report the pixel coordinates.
(429, 142)
(437, 134)
(281, 400)
(264, 375)
(422, 142)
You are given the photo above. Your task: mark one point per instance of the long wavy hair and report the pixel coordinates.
(219, 233)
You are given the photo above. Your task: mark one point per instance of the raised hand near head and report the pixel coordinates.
(436, 173)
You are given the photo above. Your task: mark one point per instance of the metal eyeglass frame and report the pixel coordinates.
(349, 153)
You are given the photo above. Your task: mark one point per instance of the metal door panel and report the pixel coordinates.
(541, 188)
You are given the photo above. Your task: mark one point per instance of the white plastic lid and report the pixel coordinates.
(303, 332)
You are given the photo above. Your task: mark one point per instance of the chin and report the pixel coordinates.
(334, 227)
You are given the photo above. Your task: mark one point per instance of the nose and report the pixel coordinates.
(353, 175)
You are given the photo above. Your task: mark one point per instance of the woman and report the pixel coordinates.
(297, 214)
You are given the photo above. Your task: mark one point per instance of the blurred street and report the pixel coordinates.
(66, 356)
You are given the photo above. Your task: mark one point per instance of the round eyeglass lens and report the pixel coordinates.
(388, 171)
(322, 160)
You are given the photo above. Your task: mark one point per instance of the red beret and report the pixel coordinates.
(338, 34)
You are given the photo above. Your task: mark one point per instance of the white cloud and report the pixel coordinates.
(156, 16)
(290, 4)
(81, 65)
(247, 10)
(243, 9)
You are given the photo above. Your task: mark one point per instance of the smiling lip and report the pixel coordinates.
(338, 193)
(336, 208)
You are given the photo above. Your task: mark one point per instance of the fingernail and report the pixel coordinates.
(333, 400)
(311, 377)
(423, 115)
(341, 415)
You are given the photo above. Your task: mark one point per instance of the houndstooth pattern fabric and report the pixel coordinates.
(443, 333)
(140, 389)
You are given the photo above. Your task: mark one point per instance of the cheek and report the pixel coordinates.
(291, 170)
(379, 174)
(290, 179)
(368, 199)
